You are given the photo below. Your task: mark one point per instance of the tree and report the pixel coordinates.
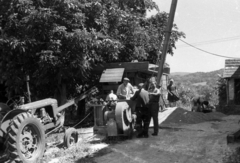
(56, 42)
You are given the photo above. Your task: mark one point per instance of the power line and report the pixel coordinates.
(209, 52)
(213, 41)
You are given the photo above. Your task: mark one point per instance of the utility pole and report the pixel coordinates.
(166, 40)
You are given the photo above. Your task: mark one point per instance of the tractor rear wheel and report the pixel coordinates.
(70, 137)
(25, 139)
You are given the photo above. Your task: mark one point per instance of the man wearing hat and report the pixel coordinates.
(125, 90)
(143, 114)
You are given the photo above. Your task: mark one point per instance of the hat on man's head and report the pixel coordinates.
(171, 80)
(126, 79)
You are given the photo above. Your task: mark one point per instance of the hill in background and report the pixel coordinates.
(199, 77)
(196, 84)
(180, 73)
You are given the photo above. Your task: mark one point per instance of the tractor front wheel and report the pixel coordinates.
(70, 137)
(25, 139)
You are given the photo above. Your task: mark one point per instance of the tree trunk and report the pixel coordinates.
(61, 94)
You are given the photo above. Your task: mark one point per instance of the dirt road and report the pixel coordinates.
(196, 143)
(192, 143)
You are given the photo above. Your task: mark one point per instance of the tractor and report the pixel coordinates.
(24, 129)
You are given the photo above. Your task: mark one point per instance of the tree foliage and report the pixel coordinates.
(56, 42)
(214, 90)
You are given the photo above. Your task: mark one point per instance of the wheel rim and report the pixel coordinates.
(29, 141)
(72, 139)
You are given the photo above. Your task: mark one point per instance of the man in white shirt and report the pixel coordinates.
(111, 96)
(125, 90)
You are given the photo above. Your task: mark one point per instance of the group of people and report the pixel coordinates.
(147, 107)
(147, 98)
(147, 104)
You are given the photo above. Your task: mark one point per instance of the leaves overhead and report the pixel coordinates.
(56, 42)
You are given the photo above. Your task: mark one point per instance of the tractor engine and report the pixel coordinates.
(43, 116)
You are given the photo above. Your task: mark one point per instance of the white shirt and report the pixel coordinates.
(125, 90)
(111, 96)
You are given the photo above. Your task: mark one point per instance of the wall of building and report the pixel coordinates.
(233, 91)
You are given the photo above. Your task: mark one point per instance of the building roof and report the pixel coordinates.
(112, 75)
(145, 67)
(232, 68)
(128, 66)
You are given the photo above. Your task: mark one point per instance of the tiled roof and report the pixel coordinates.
(232, 68)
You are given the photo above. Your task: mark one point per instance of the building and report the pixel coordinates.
(112, 74)
(232, 75)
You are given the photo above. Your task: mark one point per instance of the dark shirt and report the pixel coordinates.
(141, 97)
(154, 98)
(172, 88)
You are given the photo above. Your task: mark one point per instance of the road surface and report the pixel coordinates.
(195, 143)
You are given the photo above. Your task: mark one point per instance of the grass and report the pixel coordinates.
(232, 156)
(70, 155)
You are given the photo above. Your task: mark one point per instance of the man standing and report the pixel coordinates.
(154, 96)
(172, 93)
(143, 115)
(125, 90)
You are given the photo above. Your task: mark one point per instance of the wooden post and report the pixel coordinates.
(166, 40)
(227, 90)
(28, 88)
(231, 89)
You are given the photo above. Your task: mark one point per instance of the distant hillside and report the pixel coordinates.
(202, 84)
(179, 73)
(199, 77)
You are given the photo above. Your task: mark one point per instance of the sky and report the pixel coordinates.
(211, 25)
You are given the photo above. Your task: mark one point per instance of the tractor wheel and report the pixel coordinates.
(25, 139)
(70, 137)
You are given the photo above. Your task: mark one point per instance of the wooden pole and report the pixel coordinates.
(166, 40)
(28, 88)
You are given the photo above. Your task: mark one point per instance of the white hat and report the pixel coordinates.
(126, 79)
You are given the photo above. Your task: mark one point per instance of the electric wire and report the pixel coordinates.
(208, 52)
(212, 41)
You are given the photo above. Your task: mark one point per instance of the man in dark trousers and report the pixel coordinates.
(154, 96)
(143, 114)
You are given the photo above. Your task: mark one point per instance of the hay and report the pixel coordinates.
(182, 116)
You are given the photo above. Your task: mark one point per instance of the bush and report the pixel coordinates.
(232, 156)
